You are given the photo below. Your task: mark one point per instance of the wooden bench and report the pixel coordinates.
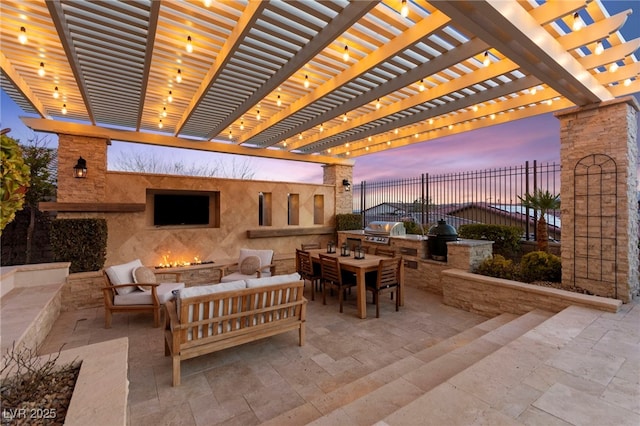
(209, 323)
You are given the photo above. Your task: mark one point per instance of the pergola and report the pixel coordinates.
(322, 82)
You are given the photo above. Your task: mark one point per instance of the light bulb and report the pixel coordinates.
(369, 138)
(189, 46)
(487, 61)
(422, 85)
(378, 105)
(366, 148)
(242, 125)
(41, 72)
(230, 134)
(22, 36)
(170, 97)
(346, 145)
(599, 48)
(258, 114)
(578, 23)
(164, 111)
(300, 136)
(388, 142)
(475, 108)
(64, 109)
(207, 3)
(395, 131)
(279, 102)
(613, 67)
(533, 91)
(627, 82)
(56, 94)
(344, 118)
(450, 126)
(306, 81)
(549, 102)
(492, 116)
(160, 125)
(345, 55)
(417, 135)
(179, 76)
(404, 10)
(321, 128)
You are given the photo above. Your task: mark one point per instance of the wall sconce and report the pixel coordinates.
(80, 169)
(344, 250)
(346, 184)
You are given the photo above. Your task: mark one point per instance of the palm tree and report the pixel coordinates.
(542, 202)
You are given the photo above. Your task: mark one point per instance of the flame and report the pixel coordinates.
(168, 262)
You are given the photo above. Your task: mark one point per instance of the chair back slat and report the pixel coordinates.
(388, 272)
(330, 269)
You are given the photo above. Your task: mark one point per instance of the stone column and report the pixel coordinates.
(334, 174)
(599, 201)
(91, 189)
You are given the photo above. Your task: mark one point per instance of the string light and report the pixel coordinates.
(230, 134)
(241, 124)
(258, 114)
(207, 3)
(417, 135)
(160, 125)
(170, 97)
(64, 109)
(41, 72)
(395, 131)
(450, 126)
(300, 136)
(404, 10)
(56, 94)
(345, 55)
(344, 117)
(279, 101)
(321, 128)
(346, 145)
(627, 82)
(369, 138)
(366, 148)
(189, 46)
(613, 67)
(578, 23)
(421, 87)
(306, 81)
(431, 121)
(492, 116)
(487, 60)
(164, 111)
(22, 36)
(599, 48)
(179, 76)
(388, 142)
(378, 105)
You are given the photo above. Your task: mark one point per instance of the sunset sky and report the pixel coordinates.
(503, 145)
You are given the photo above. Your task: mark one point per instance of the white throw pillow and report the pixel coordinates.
(250, 265)
(123, 274)
(266, 256)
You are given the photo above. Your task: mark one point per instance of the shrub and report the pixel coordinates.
(412, 227)
(498, 267)
(15, 180)
(83, 242)
(348, 221)
(506, 238)
(540, 266)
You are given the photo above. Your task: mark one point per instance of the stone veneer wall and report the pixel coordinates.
(334, 175)
(605, 261)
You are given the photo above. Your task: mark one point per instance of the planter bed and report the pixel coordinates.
(493, 296)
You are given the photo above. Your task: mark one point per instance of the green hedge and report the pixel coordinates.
(83, 242)
(348, 221)
(506, 238)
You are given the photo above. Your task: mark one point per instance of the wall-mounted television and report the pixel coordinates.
(180, 209)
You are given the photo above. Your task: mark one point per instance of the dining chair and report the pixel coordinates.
(387, 279)
(331, 275)
(309, 246)
(306, 270)
(382, 251)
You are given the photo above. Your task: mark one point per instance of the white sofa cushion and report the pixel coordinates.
(123, 274)
(276, 279)
(143, 297)
(203, 290)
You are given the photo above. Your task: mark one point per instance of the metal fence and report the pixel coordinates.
(483, 196)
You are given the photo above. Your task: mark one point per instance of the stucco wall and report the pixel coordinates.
(132, 235)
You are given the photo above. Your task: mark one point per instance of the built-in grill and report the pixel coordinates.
(380, 231)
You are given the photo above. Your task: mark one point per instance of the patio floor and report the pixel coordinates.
(427, 364)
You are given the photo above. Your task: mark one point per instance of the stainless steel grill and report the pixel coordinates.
(380, 231)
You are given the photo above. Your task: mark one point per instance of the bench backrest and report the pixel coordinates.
(232, 311)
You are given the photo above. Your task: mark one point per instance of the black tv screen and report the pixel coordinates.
(174, 209)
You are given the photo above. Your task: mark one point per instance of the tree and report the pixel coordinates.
(541, 202)
(40, 159)
(135, 161)
(15, 179)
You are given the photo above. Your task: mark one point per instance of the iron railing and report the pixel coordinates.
(483, 196)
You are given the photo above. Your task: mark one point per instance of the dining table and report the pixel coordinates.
(360, 267)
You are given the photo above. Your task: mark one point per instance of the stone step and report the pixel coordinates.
(344, 395)
(438, 368)
(506, 384)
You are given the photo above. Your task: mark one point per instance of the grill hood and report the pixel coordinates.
(387, 229)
